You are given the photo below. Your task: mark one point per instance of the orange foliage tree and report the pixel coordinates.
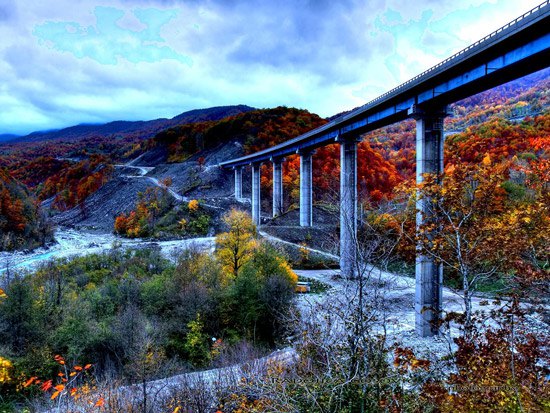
(74, 183)
(22, 224)
(72, 383)
(501, 367)
(481, 232)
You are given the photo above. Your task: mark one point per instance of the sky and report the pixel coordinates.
(66, 62)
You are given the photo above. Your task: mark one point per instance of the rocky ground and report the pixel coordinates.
(99, 211)
(72, 242)
(190, 180)
(323, 235)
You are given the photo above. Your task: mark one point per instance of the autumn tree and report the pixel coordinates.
(342, 354)
(193, 205)
(22, 223)
(481, 233)
(74, 183)
(140, 222)
(236, 246)
(6, 368)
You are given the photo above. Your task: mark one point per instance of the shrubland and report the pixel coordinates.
(157, 216)
(119, 309)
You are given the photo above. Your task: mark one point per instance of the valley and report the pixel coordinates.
(274, 207)
(151, 270)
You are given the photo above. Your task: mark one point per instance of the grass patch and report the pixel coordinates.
(327, 207)
(316, 286)
(314, 262)
(401, 268)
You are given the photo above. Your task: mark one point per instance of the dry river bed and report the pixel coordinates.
(72, 243)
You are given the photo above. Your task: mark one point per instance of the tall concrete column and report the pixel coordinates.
(277, 186)
(256, 193)
(429, 274)
(348, 206)
(238, 182)
(306, 191)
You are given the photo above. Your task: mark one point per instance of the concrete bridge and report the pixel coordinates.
(515, 50)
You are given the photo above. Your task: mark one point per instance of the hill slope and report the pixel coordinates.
(7, 137)
(189, 152)
(22, 224)
(188, 155)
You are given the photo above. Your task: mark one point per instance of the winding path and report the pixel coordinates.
(282, 241)
(143, 171)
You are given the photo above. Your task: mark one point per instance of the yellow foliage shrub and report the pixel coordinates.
(5, 370)
(193, 205)
(183, 223)
(283, 264)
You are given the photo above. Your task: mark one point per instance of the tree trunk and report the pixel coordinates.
(467, 305)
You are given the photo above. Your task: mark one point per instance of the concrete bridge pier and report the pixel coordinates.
(238, 182)
(348, 206)
(429, 274)
(277, 186)
(306, 185)
(256, 168)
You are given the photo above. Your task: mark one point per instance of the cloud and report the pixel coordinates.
(64, 62)
(108, 41)
(7, 10)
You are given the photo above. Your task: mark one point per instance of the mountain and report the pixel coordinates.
(63, 167)
(187, 155)
(119, 141)
(7, 137)
(124, 129)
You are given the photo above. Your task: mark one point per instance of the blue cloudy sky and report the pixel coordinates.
(64, 62)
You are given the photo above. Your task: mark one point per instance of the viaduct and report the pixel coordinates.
(515, 50)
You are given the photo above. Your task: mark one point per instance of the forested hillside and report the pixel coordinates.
(192, 146)
(386, 156)
(255, 130)
(506, 121)
(68, 182)
(65, 167)
(22, 224)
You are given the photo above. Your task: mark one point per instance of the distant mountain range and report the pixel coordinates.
(122, 129)
(7, 137)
